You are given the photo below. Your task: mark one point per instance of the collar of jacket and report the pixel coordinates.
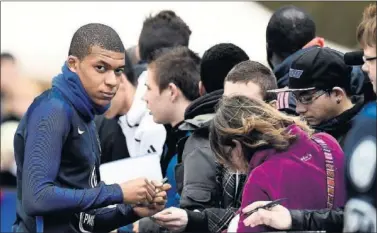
(342, 123)
(203, 105)
(197, 122)
(69, 84)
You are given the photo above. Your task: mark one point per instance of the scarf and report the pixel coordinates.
(69, 84)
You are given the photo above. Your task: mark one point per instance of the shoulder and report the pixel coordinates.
(331, 142)
(50, 106)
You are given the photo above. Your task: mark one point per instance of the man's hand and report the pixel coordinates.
(174, 219)
(147, 211)
(138, 191)
(157, 204)
(277, 217)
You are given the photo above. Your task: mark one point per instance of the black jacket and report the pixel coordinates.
(317, 220)
(207, 187)
(112, 140)
(339, 126)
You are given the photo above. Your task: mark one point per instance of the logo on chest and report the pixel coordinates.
(93, 178)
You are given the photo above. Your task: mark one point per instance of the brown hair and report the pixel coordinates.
(254, 124)
(366, 31)
(178, 65)
(252, 71)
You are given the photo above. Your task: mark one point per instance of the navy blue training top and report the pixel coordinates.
(58, 182)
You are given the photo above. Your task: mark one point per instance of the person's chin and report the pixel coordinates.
(102, 102)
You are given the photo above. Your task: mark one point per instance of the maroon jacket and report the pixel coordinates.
(298, 174)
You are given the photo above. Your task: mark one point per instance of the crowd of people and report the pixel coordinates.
(232, 134)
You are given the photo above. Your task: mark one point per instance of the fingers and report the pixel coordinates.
(253, 220)
(261, 217)
(159, 200)
(157, 184)
(166, 215)
(150, 190)
(166, 187)
(160, 186)
(255, 205)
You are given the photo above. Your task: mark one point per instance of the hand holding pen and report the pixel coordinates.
(160, 193)
(269, 213)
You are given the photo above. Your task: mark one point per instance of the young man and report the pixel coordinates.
(213, 213)
(172, 84)
(291, 32)
(319, 80)
(163, 30)
(57, 150)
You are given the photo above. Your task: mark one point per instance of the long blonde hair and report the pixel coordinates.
(253, 123)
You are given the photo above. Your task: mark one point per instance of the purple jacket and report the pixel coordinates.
(298, 174)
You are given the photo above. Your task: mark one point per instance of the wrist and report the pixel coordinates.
(297, 220)
(118, 194)
(195, 221)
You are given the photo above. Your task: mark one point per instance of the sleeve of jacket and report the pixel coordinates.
(209, 220)
(254, 190)
(48, 128)
(200, 189)
(317, 220)
(146, 225)
(108, 219)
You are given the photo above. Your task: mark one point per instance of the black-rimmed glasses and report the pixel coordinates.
(309, 97)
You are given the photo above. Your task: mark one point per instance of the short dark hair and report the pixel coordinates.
(252, 71)
(165, 29)
(129, 70)
(178, 65)
(7, 56)
(94, 34)
(217, 61)
(290, 28)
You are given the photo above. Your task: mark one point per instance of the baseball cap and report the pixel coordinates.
(318, 68)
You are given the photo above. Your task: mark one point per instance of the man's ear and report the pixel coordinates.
(174, 92)
(202, 89)
(272, 103)
(72, 63)
(339, 93)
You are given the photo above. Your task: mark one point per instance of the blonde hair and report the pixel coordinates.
(254, 124)
(366, 31)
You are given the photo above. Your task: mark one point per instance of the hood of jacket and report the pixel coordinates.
(201, 111)
(340, 125)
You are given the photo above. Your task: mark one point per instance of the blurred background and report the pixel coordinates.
(36, 36)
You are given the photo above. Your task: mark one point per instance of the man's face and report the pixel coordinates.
(370, 66)
(316, 106)
(159, 104)
(249, 89)
(99, 73)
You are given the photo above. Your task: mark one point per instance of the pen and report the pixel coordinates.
(267, 206)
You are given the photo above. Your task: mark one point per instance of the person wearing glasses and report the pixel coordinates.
(320, 82)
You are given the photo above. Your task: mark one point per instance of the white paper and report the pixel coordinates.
(119, 171)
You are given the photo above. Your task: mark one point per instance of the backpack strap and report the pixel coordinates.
(330, 171)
